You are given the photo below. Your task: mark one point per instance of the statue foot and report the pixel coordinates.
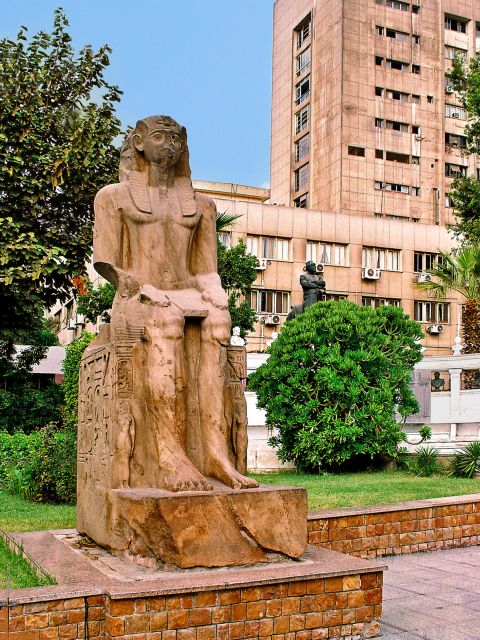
(185, 477)
(228, 475)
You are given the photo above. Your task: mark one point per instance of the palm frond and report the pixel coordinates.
(225, 220)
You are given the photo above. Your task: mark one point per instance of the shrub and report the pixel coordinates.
(335, 379)
(425, 462)
(27, 408)
(466, 463)
(71, 369)
(40, 466)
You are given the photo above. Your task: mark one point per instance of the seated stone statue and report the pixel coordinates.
(155, 240)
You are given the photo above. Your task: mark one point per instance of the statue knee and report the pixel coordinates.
(217, 327)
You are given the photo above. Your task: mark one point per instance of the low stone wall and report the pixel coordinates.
(406, 527)
(338, 607)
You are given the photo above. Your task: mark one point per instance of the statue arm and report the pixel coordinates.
(204, 256)
(107, 241)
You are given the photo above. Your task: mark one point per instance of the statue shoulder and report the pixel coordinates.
(107, 194)
(205, 203)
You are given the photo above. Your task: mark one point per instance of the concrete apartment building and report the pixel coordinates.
(366, 139)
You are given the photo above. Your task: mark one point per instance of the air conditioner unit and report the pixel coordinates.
(262, 264)
(80, 321)
(271, 321)
(72, 325)
(370, 273)
(455, 115)
(424, 277)
(436, 329)
(449, 89)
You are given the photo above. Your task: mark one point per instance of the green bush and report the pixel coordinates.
(466, 462)
(335, 379)
(27, 408)
(425, 462)
(40, 466)
(71, 369)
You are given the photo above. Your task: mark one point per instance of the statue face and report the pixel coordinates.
(311, 267)
(162, 146)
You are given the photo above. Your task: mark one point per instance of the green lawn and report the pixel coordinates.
(17, 514)
(15, 573)
(356, 489)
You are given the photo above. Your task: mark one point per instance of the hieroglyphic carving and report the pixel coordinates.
(125, 341)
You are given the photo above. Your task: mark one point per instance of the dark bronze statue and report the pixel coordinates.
(313, 289)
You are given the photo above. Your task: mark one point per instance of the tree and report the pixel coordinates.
(460, 272)
(465, 194)
(335, 379)
(96, 302)
(57, 127)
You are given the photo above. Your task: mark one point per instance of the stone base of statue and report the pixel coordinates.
(210, 529)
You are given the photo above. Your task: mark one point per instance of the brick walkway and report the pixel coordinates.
(432, 596)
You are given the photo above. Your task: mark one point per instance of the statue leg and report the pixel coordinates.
(166, 403)
(213, 362)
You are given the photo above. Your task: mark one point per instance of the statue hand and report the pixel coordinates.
(150, 295)
(216, 296)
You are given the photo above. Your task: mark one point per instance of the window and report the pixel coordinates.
(455, 140)
(433, 312)
(356, 151)
(379, 31)
(393, 186)
(302, 148)
(415, 191)
(396, 126)
(302, 119)
(430, 99)
(269, 247)
(453, 111)
(448, 201)
(268, 301)
(303, 61)
(416, 68)
(396, 95)
(327, 253)
(379, 154)
(378, 91)
(415, 129)
(415, 98)
(301, 202)
(302, 90)
(386, 259)
(370, 301)
(415, 8)
(225, 238)
(415, 160)
(378, 123)
(397, 64)
(477, 29)
(455, 170)
(378, 61)
(456, 24)
(424, 261)
(393, 4)
(451, 52)
(302, 177)
(397, 157)
(335, 297)
(303, 30)
(397, 35)
(416, 39)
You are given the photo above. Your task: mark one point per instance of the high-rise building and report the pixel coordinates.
(364, 120)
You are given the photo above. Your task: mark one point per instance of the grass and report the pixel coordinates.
(17, 514)
(357, 489)
(15, 573)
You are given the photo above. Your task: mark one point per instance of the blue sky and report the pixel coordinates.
(205, 62)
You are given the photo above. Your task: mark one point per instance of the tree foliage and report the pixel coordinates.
(97, 302)
(335, 379)
(57, 127)
(71, 370)
(465, 194)
(460, 272)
